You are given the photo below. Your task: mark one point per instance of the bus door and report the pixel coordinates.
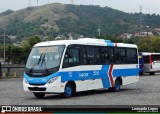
(147, 66)
(72, 65)
(93, 63)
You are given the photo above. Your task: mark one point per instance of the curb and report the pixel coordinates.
(11, 77)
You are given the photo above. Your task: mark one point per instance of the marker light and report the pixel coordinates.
(25, 81)
(52, 80)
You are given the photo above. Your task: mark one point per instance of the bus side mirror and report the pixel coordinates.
(67, 55)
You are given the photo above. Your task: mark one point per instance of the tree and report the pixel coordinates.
(149, 44)
(19, 54)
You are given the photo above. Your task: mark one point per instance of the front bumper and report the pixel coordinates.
(55, 87)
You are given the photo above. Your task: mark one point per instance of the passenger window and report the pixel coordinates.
(146, 59)
(93, 55)
(83, 56)
(120, 56)
(72, 57)
(132, 56)
(107, 55)
(155, 57)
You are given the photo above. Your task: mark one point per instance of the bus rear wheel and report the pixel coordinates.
(116, 87)
(39, 95)
(152, 73)
(68, 91)
(140, 73)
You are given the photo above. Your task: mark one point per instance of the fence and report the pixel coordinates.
(12, 70)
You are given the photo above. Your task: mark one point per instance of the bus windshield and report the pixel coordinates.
(46, 57)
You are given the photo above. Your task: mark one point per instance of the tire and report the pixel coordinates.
(39, 95)
(140, 73)
(152, 73)
(116, 87)
(68, 91)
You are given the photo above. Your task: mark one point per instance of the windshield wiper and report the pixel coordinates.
(43, 61)
(37, 63)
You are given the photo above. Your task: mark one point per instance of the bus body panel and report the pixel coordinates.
(156, 66)
(130, 79)
(141, 63)
(56, 87)
(147, 67)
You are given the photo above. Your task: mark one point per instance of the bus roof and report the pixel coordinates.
(149, 53)
(85, 41)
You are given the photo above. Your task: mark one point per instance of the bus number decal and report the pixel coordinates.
(83, 75)
(96, 73)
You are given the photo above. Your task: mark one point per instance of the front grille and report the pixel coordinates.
(42, 75)
(36, 89)
(36, 84)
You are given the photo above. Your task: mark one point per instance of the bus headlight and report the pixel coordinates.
(25, 81)
(52, 80)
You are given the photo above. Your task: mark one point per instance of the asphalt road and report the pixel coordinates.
(145, 92)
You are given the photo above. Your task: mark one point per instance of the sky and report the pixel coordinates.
(130, 6)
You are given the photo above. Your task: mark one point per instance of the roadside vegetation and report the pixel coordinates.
(19, 54)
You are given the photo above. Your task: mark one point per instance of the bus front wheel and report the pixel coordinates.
(68, 91)
(39, 95)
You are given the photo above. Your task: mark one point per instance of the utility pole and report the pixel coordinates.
(4, 45)
(140, 17)
(147, 30)
(29, 3)
(71, 1)
(99, 32)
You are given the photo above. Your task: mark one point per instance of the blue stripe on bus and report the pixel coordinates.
(85, 75)
(125, 72)
(105, 83)
(105, 78)
(141, 62)
(109, 43)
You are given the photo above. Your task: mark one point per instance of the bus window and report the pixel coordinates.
(132, 56)
(107, 55)
(72, 57)
(155, 57)
(146, 59)
(83, 56)
(120, 56)
(93, 55)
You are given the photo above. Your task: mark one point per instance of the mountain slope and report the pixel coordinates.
(54, 19)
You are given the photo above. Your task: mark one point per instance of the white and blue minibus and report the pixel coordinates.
(70, 66)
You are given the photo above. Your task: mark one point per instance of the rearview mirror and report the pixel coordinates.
(68, 55)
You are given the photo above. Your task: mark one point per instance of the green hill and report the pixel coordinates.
(55, 19)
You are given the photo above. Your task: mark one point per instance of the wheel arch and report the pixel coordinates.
(73, 84)
(120, 79)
